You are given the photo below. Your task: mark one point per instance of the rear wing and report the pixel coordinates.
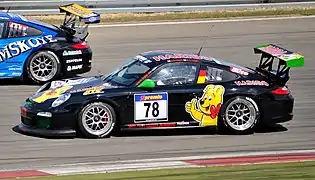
(279, 73)
(77, 18)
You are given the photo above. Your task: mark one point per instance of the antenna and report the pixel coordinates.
(9, 8)
(205, 40)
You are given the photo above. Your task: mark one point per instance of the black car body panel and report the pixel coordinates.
(179, 99)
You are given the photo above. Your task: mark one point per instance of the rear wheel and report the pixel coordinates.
(43, 66)
(97, 120)
(240, 115)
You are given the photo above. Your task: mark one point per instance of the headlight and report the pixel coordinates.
(63, 98)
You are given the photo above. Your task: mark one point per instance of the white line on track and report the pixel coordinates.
(218, 155)
(148, 164)
(200, 21)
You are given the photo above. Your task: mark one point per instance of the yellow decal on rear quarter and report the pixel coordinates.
(50, 94)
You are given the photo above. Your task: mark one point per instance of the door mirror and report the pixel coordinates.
(147, 84)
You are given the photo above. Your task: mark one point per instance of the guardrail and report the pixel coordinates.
(103, 6)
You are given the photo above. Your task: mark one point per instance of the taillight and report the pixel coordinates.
(281, 91)
(80, 45)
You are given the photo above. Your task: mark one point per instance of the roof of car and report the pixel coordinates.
(160, 55)
(12, 16)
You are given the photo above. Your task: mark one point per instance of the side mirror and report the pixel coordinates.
(147, 84)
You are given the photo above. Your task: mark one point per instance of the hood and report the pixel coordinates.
(86, 85)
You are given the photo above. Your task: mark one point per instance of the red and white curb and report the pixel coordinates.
(165, 163)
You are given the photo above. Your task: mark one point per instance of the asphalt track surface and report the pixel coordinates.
(233, 41)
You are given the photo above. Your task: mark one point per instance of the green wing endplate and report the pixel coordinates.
(291, 59)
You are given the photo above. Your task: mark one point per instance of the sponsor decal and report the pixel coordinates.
(274, 50)
(180, 56)
(238, 71)
(14, 68)
(94, 90)
(70, 82)
(16, 74)
(151, 97)
(143, 59)
(183, 123)
(89, 90)
(71, 53)
(152, 125)
(251, 83)
(56, 84)
(16, 48)
(51, 94)
(76, 67)
(74, 60)
(287, 57)
(205, 110)
(151, 107)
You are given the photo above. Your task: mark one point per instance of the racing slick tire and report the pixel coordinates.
(239, 115)
(43, 66)
(97, 120)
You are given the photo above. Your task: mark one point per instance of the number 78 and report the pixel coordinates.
(155, 109)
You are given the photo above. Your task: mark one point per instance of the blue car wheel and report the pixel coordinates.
(43, 66)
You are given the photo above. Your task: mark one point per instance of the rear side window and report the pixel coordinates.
(213, 74)
(1, 29)
(20, 30)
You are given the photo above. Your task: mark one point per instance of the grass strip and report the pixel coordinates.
(191, 15)
(280, 171)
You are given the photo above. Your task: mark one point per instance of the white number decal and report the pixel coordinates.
(151, 107)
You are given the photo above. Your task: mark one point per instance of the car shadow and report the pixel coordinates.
(166, 132)
(13, 82)
(271, 128)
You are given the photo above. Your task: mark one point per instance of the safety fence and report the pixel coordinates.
(51, 6)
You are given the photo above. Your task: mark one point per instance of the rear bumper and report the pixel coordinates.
(276, 110)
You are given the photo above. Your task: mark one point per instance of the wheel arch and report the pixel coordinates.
(251, 97)
(36, 51)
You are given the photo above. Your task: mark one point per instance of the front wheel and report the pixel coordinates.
(97, 120)
(240, 115)
(43, 66)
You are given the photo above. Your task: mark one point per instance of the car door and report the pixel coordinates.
(3, 43)
(208, 94)
(165, 104)
(18, 32)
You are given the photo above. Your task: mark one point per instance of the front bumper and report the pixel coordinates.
(46, 132)
(58, 124)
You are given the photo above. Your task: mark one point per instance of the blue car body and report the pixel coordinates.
(20, 37)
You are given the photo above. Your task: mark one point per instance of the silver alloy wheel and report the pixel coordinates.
(240, 114)
(43, 66)
(97, 119)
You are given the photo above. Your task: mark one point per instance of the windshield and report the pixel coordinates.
(128, 74)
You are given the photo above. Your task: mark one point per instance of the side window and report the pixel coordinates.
(21, 30)
(2, 26)
(175, 74)
(218, 75)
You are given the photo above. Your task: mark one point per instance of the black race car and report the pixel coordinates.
(42, 52)
(167, 89)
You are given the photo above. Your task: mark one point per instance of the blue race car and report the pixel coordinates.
(41, 52)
